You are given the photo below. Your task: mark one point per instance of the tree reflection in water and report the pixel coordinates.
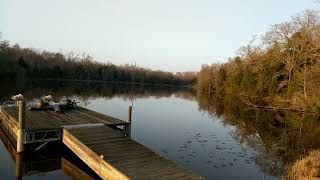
(279, 138)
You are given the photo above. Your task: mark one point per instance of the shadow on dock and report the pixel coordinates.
(54, 156)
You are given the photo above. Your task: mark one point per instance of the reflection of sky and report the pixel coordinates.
(176, 129)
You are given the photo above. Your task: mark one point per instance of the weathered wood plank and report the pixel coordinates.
(107, 119)
(120, 155)
(94, 161)
(49, 120)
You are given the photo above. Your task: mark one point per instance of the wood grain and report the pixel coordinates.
(123, 158)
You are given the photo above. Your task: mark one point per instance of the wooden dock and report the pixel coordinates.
(46, 126)
(93, 138)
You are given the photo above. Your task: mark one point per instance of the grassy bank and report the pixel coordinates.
(306, 168)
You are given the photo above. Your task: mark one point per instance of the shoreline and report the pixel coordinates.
(110, 82)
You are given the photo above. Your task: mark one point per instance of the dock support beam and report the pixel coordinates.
(19, 166)
(127, 127)
(129, 114)
(21, 126)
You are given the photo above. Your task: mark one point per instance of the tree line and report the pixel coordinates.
(282, 70)
(18, 63)
(88, 91)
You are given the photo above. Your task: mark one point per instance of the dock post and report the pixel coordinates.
(129, 114)
(19, 166)
(127, 127)
(21, 126)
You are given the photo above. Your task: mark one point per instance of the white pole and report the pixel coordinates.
(21, 126)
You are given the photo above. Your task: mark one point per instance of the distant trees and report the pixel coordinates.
(284, 69)
(25, 62)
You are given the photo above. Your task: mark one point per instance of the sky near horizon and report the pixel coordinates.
(171, 35)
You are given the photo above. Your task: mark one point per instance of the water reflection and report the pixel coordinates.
(217, 137)
(90, 91)
(51, 162)
(278, 137)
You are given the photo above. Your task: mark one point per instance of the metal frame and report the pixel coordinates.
(42, 136)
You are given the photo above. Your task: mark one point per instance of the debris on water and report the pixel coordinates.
(184, 146)
(164, 151)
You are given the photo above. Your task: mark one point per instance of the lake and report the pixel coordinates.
(217, 137)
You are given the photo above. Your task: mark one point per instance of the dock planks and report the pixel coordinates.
(114, 156)
(109, 153)
(50, 120)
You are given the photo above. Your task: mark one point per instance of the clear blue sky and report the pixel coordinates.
(172, 35)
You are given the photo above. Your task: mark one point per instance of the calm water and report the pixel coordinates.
(218, 138)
